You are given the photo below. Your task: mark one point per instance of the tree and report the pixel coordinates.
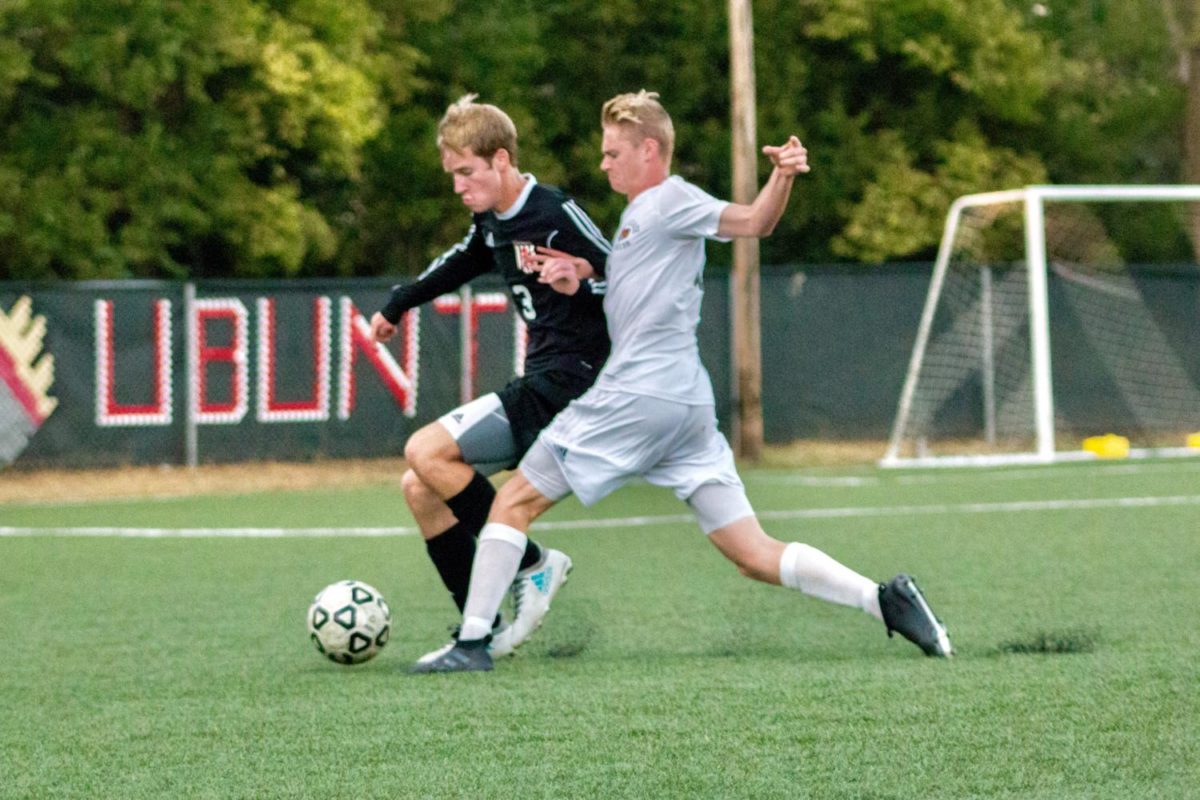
(902, 104)
(1115, 111)
(164, 139)
(296, 137)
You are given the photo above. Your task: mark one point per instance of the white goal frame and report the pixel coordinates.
(1033, 199)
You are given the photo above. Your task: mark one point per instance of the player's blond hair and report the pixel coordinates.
(642, 117)
(479, 127)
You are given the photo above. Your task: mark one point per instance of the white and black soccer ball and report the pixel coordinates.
(349, 622)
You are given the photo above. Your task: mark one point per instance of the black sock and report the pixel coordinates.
(471, 506)
(532, 555)
(452, 553)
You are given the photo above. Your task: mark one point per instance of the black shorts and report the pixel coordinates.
(531, 401)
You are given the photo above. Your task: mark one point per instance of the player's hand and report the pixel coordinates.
(381, 329)
(560, 273)
(544, 254)
(790, 159)
(561, 270)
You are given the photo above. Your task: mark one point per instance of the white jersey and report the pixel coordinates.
(655, 284)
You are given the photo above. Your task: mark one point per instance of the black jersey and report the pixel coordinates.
(566, 332)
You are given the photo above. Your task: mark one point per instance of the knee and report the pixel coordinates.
(416, 450)
(426, 448)
(416, 493)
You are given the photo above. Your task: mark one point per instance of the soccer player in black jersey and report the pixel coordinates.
(446, 484)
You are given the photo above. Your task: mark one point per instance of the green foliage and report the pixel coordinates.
(160, 138)
(295, 137)
(1118, 103)
(891, 222)
(901, 110)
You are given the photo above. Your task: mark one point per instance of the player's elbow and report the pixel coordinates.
(764, 229)
(756, 230)
(749, 226)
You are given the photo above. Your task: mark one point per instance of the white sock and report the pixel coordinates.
(808, 570)
(496, 560)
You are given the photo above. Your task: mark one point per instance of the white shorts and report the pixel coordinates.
(605, 438)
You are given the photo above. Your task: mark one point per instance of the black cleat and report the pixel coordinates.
(464, 656)
(906, 612)
(499, 629)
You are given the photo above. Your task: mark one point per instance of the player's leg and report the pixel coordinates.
(725, 515)
(899, 604)
(497, 562)
(598, 432)
(532, 403)
(437, 479)
(530, 492)
(501, 544)
(702, 469)
(447, 488)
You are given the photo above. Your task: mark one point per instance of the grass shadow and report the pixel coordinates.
(1061, 642)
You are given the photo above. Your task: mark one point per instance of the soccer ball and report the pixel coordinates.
(349, 622)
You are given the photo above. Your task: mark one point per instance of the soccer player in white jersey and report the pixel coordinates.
(651, 412)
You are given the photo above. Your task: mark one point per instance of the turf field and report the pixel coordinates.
(174, 662)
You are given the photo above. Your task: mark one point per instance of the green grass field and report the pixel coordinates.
(178, 666)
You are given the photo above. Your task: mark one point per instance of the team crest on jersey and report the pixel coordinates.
(625, 233)
(526, 256)
(26, 374)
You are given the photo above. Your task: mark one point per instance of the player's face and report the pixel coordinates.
(475, 180)
(622, 160)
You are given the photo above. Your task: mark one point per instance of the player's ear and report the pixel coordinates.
(650, 149)
(501, 159)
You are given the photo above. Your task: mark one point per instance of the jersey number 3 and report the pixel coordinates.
(524, 302)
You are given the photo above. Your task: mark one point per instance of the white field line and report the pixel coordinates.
(630, 522)
(206, 533)
(1097, 470)
(1073, 471)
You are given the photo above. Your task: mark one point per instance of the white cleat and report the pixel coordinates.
(532, 592)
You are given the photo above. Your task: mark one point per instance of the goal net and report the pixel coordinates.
(1056, 315)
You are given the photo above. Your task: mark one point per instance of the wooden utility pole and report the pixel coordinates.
(1191, 138)
(747, 353)
(1183, 28)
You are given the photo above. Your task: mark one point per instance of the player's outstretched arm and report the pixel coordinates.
(464, 262)
(760, 217)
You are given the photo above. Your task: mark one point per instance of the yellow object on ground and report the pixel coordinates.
(1193, 441)
(1110, 445)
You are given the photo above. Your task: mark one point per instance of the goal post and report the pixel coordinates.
(1091, 287)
